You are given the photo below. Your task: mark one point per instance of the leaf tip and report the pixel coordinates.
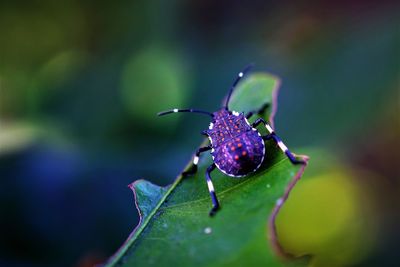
(133, 184)
(146, 197)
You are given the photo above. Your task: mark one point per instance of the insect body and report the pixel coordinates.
(237, 148)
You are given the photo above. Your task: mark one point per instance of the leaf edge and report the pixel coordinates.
(272, 233)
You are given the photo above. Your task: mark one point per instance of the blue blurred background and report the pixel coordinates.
(81, 82)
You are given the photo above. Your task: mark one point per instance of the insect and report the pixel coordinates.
(237, 148)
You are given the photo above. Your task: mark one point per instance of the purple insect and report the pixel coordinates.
(237, 148)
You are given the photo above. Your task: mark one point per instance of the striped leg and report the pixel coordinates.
(211, 190)
(193, 169)
(259, 112)
(278, 141)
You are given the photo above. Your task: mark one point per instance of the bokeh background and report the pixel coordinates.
(81, 81)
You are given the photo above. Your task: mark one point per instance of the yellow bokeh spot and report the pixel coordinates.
(325, 217)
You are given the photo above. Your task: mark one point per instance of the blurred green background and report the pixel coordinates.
(80, 83)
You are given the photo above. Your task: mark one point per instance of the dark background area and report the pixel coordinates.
(81, 82)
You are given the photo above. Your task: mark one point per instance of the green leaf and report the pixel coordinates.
(147, 195)
(175, 229)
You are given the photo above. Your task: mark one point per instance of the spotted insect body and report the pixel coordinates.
(237, 148)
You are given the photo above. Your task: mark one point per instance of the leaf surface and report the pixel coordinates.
(175, 229)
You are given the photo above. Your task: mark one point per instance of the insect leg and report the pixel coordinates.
(193, 169)
(204, 133)
(278, 141)
(211, 190)
(259, 112)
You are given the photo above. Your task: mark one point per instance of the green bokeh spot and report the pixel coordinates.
(152, 80)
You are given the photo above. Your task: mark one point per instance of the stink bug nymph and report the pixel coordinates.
(237, 148)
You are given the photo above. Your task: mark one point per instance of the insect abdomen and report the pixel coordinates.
(241, 155)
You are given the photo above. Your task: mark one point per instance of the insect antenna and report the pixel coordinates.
(240, 75)
(175, 110)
